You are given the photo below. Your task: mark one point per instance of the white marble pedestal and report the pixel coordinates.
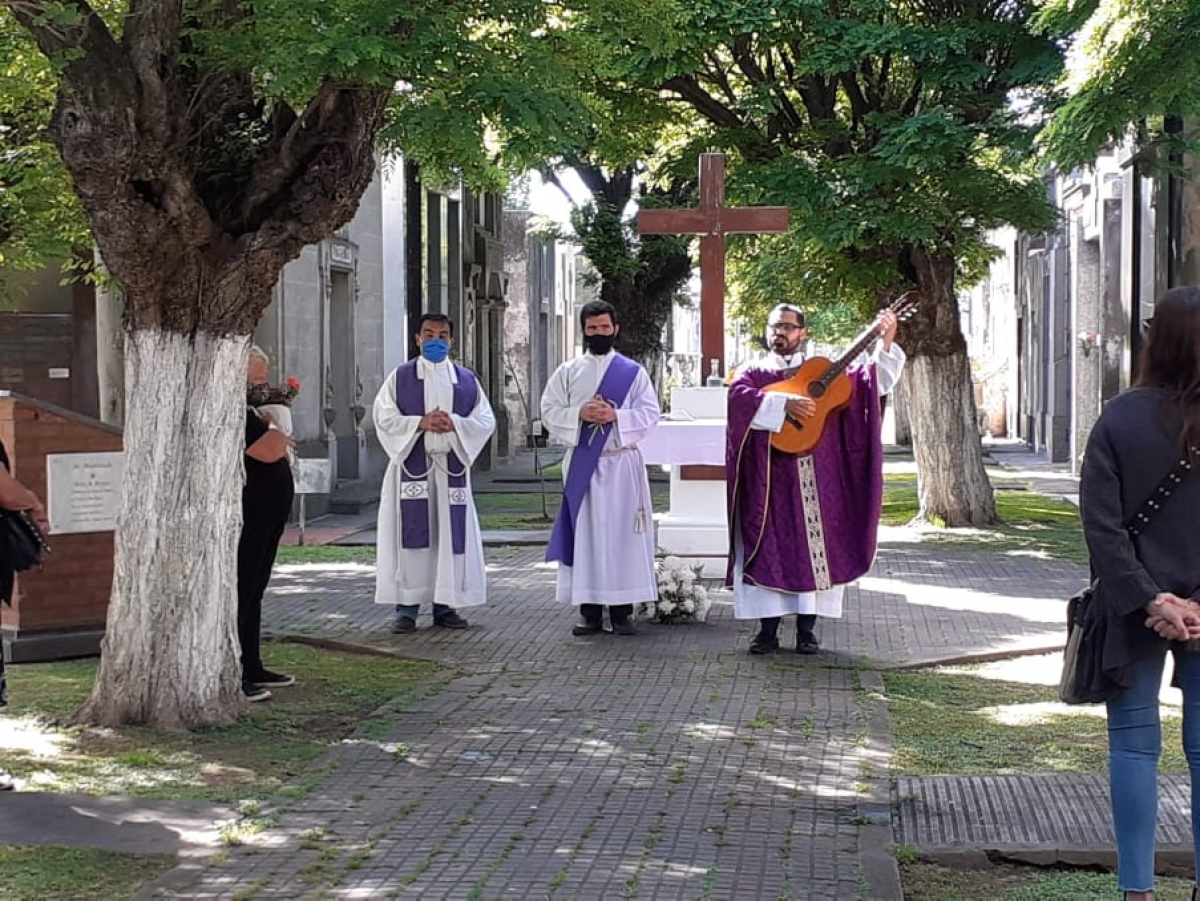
(691, 444)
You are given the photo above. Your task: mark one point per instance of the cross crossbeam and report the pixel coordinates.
(712, 221)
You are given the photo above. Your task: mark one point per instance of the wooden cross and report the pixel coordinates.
(712, 221)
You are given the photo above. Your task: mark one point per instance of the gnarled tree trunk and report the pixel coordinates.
(198, 191)
(952, 484)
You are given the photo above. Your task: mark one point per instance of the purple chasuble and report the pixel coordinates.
(414, 475)
(766, 492)
(614, 387)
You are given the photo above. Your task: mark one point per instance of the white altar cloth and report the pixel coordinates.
(674, 443)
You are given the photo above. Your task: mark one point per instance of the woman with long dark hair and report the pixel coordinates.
(1140, 504)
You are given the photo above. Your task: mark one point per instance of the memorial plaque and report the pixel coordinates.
(313, 476)
(83, 491)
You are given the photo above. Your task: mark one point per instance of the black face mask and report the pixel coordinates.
(598, 344)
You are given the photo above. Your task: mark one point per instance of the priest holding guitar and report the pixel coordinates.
(804, 462)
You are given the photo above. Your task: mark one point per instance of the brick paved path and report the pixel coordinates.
(667, 765)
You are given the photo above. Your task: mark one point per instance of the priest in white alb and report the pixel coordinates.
(432, 419)
(601, 405)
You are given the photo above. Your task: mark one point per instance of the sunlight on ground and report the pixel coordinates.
(302, 568)
(1045, 669)
(27, 735)
(1038, 610)
(1031, 714)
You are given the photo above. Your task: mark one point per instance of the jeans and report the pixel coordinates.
(411, 610)
(1134, 746)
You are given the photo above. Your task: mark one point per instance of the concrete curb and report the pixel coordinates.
(876, 843)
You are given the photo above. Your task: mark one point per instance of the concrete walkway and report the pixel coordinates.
(667, 765)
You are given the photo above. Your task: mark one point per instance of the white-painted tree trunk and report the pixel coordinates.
(952, 484)
(900, 404)
(170, 653)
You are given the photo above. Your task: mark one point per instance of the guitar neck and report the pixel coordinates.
(861, 344)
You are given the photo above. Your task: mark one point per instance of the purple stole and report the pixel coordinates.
(414, 489)
(614, 387)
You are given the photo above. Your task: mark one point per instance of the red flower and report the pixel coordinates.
(293, 386)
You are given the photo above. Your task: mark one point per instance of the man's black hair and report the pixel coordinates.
(440, 318)
(594, 308)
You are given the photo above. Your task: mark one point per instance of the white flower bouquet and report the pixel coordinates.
(681, 596)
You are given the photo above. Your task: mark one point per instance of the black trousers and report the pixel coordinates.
(594, 613)
(256, 555)
(805, 623)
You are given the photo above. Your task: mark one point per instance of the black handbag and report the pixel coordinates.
(1084, 679)
(21, 541)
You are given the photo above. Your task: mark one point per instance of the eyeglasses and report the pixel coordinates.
(784, 327)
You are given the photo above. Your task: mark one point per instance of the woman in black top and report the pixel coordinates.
(1148, 585)
(13, 496)
(266, 505)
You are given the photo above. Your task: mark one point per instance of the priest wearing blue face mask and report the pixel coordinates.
(432, 419)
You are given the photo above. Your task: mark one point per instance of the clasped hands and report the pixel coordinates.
(597, 411)
(1174, 617)
(438, 421)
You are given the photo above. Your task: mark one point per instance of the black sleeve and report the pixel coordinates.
(255, 427)
(1127, 585)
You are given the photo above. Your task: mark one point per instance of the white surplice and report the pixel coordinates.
(614, 534)
(434, 574)
(754, 601)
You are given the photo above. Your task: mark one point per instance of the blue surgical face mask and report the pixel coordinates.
(435, 349)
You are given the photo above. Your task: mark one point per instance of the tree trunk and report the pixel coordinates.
(952, 484)
(110, 354)
(899, 402)
(170, 653)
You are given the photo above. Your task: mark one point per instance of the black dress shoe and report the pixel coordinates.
(587, 627)
(450, 620)
(623, 627)
(807, 644)
(764, 644)
(403, 625)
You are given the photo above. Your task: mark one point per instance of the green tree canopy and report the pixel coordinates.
(41, 221)
(1132, 62)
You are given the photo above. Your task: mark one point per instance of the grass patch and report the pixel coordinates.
(1030, 523)
(955, 721)
(522, 510)
(270, 745)
(66, 874)
(929, 882)
(325, 553)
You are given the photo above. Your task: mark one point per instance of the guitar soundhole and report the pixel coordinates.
(816, 389)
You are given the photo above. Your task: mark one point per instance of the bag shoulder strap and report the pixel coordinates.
(1159, 497)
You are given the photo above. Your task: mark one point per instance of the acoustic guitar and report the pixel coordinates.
(826, 382)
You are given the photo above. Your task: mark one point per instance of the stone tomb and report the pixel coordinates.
(73, 464)
(690, 442)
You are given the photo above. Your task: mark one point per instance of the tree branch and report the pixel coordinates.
(334, 163)
(151, 39)
(89, 33)
(704, 103)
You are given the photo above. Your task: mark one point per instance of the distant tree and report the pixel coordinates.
(41, 221)
(897, 134)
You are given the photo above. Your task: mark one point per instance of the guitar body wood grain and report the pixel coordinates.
(800, 436)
